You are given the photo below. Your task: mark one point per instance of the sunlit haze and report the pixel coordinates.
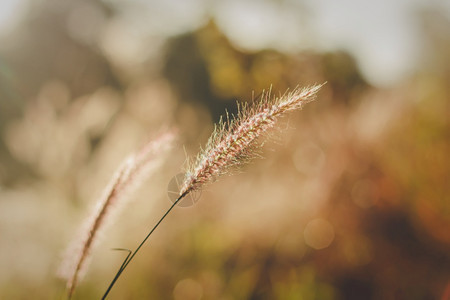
(383, 35)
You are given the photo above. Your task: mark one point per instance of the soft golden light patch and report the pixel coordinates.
(318, 234)
(188, 289)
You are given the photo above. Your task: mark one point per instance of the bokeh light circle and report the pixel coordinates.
(318, 234)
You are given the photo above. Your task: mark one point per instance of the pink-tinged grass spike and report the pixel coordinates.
(234, 142)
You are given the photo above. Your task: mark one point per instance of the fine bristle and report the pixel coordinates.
(233, 142)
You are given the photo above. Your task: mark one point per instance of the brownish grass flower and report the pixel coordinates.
(234, 142)
(128, 176)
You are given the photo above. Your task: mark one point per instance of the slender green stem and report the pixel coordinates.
(130, 257)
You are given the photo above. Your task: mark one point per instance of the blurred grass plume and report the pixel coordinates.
(127, 178)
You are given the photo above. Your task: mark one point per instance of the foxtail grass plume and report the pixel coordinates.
(129, 175)
(234, 142)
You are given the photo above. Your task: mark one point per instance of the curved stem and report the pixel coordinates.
(130, 257)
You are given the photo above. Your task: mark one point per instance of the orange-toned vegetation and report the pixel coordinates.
(351, 200)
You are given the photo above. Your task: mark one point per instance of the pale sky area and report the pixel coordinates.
(383, 35)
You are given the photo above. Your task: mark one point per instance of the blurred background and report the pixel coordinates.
(350, 200)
